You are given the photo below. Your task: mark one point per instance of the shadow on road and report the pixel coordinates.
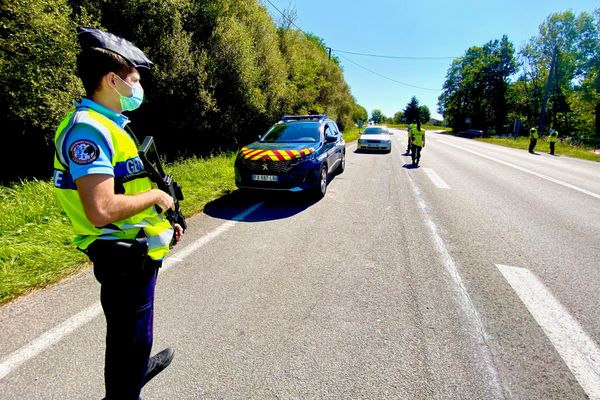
(410, 166)
(357, 151)
(277, 205)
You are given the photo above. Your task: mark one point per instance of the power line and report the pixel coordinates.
(386, 77)
(394, 57)
(370, 55)
(286, 17)
(359, 54)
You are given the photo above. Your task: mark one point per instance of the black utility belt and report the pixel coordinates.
(100, 247)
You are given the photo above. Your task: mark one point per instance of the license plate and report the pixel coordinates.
(265, 178)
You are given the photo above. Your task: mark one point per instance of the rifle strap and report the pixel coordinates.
(132, 134)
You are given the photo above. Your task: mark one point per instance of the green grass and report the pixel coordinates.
(35, 235)
(352, 134)
(542, 146)
(35, 238)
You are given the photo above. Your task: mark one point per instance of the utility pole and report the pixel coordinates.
(329, 53)
(553, 68)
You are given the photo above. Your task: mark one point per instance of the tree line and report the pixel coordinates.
(224, 72)
(412, 113)
(552, 81)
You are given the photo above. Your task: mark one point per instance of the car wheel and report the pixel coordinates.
(321, 187)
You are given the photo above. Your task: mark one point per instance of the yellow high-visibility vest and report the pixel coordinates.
(129, 172)
(533, 133)
(417, 137)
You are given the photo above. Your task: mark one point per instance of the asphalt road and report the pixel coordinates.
(474, 276)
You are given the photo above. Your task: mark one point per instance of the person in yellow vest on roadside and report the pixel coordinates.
(533, 137)
(102, 184)
(552, 139)
(408, 139)
(417, 142)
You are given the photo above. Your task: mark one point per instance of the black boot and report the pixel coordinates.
(158, 362)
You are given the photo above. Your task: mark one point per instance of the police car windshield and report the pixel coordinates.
(375, 131)
(293, 132)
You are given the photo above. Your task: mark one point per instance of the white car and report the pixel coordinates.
(375, 138)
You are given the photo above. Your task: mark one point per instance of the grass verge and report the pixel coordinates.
(561, 148)
(351, 134)
(35, 235)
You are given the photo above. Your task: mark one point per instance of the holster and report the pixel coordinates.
(119, 260)
(126, 248)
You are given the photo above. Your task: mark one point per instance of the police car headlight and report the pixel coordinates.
(361, 141)
(300, 160)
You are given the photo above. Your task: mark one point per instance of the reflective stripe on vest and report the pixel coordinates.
(130, 175)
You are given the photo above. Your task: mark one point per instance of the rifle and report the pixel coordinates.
(149, 155)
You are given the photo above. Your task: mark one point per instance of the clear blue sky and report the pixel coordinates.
(422, 28)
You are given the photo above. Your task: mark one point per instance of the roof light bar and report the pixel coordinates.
(301, 117)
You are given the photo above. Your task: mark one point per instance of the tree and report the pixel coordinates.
(424, 114)
(412, 112)
(377, 116)
(223, 72)
(398, 117)
(360, 113)
(476, 86)
(573, 41)
(37, 59)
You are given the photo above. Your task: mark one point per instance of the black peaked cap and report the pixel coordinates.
(92, 37)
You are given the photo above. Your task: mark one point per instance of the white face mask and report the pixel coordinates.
(136, 99)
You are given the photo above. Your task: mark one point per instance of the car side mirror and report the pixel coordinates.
(259, 137)
(330, 139)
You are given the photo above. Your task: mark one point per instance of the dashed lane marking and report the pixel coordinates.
(472, 317)
(436, 179)
(576, 348)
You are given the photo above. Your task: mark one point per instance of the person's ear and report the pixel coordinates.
(110, 79)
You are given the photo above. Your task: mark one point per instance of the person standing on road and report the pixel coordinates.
(533, 137)
(101, 183)
(408, 128)
(552, 138)
(417, 140)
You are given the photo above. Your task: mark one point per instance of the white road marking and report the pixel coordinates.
(508, 164)
(436, 179)
(576, 348)
(56, 334)
(470, 312)
(47, 339)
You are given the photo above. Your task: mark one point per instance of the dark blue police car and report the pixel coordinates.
(296, 154)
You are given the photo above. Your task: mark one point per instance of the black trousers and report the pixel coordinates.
(532, 143)
(415, 153)
(127, 278)
(552, 147)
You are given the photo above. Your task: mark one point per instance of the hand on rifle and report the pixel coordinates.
(178, 233)
(163, 200)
